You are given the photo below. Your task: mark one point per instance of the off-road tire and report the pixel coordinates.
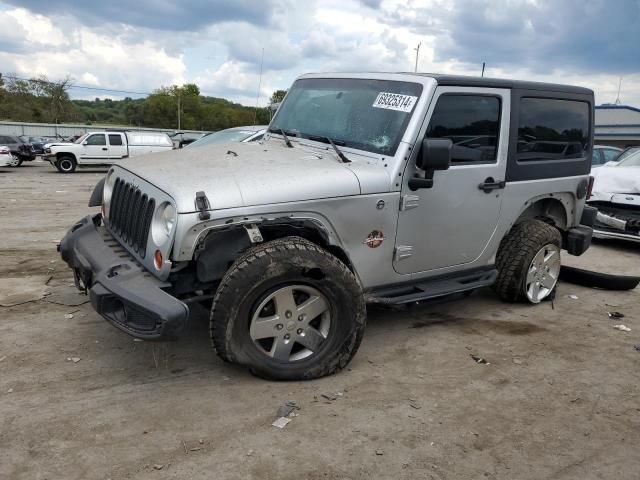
(515, 254)
(66, 164)
(290, 260)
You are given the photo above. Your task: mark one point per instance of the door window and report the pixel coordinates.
(471, 122)
(597, 157)
(98, 139)
(115, 139)
(610, 154)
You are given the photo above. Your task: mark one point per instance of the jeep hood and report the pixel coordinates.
(245, 174)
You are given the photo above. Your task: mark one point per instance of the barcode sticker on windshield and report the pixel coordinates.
(395, 101)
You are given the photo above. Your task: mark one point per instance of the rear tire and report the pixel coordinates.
(528, 263)
(66, 164)
(258, 315)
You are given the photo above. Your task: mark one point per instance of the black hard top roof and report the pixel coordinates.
(466, 81)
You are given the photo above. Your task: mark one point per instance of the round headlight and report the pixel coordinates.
(163, 221)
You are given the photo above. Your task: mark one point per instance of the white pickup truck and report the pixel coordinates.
(104, 148)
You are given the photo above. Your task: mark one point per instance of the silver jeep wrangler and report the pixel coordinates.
(387, 188)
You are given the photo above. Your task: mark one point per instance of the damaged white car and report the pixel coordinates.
(616, 195)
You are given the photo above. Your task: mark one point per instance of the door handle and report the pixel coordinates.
(491, 184)
(105, 148)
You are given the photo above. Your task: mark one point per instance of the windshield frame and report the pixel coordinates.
(424, 87)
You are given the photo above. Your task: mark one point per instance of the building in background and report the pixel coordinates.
(617, 125)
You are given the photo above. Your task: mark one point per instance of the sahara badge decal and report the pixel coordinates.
(374, 239)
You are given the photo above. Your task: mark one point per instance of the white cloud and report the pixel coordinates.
(90, 58)
(223, 56)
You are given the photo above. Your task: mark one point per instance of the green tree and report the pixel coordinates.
(277, 97)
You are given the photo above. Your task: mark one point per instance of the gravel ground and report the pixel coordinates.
(558, 399)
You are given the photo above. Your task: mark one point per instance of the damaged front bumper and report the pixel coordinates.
(122, 291)
(616, 222)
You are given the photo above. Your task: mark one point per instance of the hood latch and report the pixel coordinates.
(202, 204)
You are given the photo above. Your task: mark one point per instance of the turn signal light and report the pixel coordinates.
(157, 260)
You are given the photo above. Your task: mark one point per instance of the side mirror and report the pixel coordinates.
(435, 154)
(85, 143)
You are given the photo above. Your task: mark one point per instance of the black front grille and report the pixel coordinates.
(130, 215)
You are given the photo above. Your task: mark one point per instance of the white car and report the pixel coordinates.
(251, 133)
(6, 159)
(616, 195)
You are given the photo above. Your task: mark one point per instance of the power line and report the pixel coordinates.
(100, 89)
(84, 87)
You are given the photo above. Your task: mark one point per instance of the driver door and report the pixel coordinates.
(95, 149)
(447, 227)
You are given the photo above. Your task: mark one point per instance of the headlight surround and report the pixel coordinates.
(164, 220)
(107, 191)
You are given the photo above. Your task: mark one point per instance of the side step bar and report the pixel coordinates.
(434, 288)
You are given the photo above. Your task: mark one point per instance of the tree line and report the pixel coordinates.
(40, 100)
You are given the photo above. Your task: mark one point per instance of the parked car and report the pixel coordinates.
(616, 195)
(182, 139)
(36, 142)
(6, 159)
(104, 148)
(252, 133)
(355, 195)
(603, 154)
(20, 150)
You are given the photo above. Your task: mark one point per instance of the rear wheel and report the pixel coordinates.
(66, 164)
(528, 262)
(289, 310)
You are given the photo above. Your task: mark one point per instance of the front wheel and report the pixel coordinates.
(528, 262)
(289, 310)
(66, 164)
(16, 161)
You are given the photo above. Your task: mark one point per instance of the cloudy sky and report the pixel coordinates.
(140, 45)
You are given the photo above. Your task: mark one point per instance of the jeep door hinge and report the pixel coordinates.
(402, 252)
(407, 202)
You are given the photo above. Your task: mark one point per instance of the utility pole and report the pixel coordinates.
(417, 49)
(255, 112)
(482, 74)
(179, 110)
(618, 97)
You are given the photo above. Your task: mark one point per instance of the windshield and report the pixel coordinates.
(222, 136)
(632, 159)
(82, 138)
(627, 153)
(369, 115)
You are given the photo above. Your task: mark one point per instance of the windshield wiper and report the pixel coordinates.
(325, 139)
(282, 132)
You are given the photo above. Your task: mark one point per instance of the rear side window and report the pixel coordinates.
(472, 123)
(551, 129)
(115, 139)
(96, 140)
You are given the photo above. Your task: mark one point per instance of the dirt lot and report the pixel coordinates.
(559, 399)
